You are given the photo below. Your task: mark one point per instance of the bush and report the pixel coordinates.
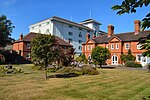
(133, 64)
(148, 66)
(86, 70)
(13, 70)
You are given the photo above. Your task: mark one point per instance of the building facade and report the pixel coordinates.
(22, 45)
(118, 44)
(70, 31)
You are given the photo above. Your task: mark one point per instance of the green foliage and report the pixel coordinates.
(133, 64)
(13, 70)
(130, 6)
(41, 49)
(128, 57)
(5, 31)
(82, 58)
(85, 70)
(148, 67)
(100, 55)
(145, 45)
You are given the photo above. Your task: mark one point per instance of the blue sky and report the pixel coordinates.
(25, 12)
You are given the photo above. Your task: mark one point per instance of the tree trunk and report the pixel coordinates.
(45, 72)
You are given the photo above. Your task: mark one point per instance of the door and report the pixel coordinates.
(114, 60)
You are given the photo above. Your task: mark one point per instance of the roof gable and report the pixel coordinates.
(114, 39)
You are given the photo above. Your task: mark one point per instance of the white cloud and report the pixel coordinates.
(5, 3)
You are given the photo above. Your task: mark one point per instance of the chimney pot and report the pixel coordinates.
(137, 25)
(110, 30)
(21, 36)
(87, 37)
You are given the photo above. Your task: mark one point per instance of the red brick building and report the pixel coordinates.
(22, 45)
(118, 44)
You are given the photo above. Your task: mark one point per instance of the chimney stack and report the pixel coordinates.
(87, 37)
(21, 36)
(137, 25)
(94, 36)
(110, 30)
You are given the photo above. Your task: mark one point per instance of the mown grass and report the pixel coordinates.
(110, 84)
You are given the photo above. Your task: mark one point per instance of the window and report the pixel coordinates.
(80, 41)
(39, 31)
(112, 46)
(47, 23)
(117, 46)
(80, 35)
(70, 26)
(138, 46)
(80, 48)
(70, 40)
(47, 31)
(80, 28)
(40, 25)
(32, 27)
(127, 46)
(70, 33)
(28, 46)
(28, 55)
(107, 46)
(89, 47)
(138, 57)
(88, 31)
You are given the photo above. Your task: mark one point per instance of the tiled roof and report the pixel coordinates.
(125, 37)
(30, 36)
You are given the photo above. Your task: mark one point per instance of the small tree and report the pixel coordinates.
(128, 57)
(100, 55)
(42, 50)
(5, 31)
(82, 58)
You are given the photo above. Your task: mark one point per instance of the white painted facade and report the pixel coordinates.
(66, 30)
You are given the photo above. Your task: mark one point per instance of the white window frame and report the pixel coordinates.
(117, 46)
(138, 56)
(138, 46)
(126, 46)
(112, 46)
(85, 47)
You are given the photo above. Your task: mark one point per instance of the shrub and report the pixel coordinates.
(86, 70)
(148, 67)
(13, 70)
(133, 64)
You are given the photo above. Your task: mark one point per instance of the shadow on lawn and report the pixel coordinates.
(65, 75)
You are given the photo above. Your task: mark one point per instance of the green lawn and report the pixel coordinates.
(110, 84)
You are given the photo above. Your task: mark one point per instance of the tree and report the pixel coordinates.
(82, 58)
(130, 6)
(145, 45)
(100, 55)
(128, 57)
(5, 31)
(42, 50)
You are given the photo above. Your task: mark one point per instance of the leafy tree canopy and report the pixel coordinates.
(5, 31)
(100, 55)
(42, 50)
(130, 6)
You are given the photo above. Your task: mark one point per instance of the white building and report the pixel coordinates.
(73, 32)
